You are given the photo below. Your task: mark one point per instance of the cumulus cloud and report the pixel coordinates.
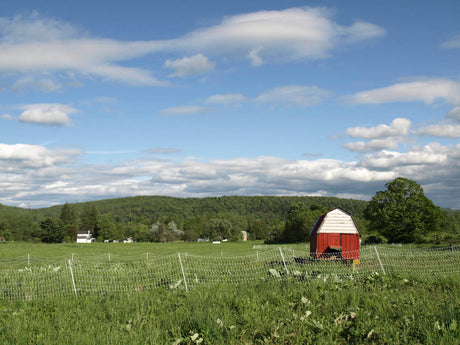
(372, 145)
(34, 43)
(441, 130)
(427, 156)
(23, 156)
(47, 114)
(189, 66)
(186, 110)
(454, 42)
(297, 95)
(380, 137)
(428, 91)
(398, 127)
(52, 176)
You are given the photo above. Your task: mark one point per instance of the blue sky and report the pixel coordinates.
(199, 98)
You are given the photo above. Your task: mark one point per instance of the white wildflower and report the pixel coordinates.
(307, 314)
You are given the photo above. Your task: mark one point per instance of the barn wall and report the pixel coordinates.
(326, 240)
(350, 246)
(348, 242)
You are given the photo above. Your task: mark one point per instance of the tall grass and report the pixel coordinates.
(374, 310)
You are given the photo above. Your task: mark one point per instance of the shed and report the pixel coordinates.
(335, 232)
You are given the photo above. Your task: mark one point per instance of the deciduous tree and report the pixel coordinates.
(402, 213)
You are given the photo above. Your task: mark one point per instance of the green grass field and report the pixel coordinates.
(367, 308)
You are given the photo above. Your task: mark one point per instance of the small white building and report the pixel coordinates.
(85, 237)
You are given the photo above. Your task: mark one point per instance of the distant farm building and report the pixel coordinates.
(85, 237)
(335, 234)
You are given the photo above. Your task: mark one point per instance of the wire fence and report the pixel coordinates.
(27, 278)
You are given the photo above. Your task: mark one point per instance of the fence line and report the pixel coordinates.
(23, 279)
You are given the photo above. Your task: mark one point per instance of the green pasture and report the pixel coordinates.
(233, 296)
(15, 249)
(372, 310)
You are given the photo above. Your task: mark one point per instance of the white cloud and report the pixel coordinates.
(6, 117)
(163, 150)
(443, 131)
(51, 176)
(373, 145)
(23, 156)
(398, 127)
(188, 66)
(31, 44)
(296, 95)
(427, 157)
(229, 98)
(291, 34)
(38, 84)
(255, 58)
(47, 114)
(33, 28)
(454, 114)
(186, 110)
(380, 137)
(454, 42)
(428, 91)
(107, 100)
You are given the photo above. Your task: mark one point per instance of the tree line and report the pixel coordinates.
(402, 213)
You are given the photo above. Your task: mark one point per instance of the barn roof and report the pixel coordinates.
(335, 221)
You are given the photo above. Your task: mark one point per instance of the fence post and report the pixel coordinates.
(73, 278)
(183, 273)
(378, 257)
(284, 261)
(109, 256)
(28, 259)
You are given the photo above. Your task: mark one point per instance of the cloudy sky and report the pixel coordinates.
(108, 99)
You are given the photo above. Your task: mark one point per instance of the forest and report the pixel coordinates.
(160, 219)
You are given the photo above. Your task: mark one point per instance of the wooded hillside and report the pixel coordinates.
(161, 218)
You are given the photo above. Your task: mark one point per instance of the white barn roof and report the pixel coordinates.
(336, 221)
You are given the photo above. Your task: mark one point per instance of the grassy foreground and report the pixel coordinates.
(374, 310)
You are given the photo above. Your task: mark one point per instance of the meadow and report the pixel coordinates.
(325, 306)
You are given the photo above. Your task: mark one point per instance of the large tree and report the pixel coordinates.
(300, 220)
(51, 231)
(67, 215)
(402, 213)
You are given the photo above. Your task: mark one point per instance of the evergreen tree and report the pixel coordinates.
(51, 231)
(67, 215)
(89, 219)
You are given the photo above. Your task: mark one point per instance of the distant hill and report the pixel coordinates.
(130, 209)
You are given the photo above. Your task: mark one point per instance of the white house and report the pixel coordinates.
(85, 237)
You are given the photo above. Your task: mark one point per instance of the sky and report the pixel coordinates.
(108, 99)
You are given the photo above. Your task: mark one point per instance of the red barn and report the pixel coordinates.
(335, 232)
